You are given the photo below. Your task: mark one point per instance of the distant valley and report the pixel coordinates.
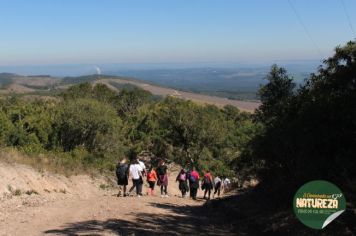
(233, 81)
(45, 85)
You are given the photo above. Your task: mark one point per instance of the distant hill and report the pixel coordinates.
(44, 85)
(227, 80)
(8, 75)
(240, 83)
(6, 79)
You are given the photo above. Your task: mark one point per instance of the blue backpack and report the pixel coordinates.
(192, 178)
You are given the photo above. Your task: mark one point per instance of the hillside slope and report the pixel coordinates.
(199, 98)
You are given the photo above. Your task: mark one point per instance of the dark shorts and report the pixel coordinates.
(124, 181)
(207, 186)
(151, 184)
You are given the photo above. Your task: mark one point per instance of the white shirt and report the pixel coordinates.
(226, 182)
(135, 171)
(142, 165)
(217, 180)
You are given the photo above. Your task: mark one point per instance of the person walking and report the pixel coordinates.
(183, 185)
(151, 179)
(143, 166)
(136, 174)
(207, 184)
(162, 178)
(194, 183)
(122, 174)
(226, 184)
(217, 186)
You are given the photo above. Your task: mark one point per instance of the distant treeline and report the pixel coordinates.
(39, 76)
(6, 79)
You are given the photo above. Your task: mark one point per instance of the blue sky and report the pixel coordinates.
(171, 31)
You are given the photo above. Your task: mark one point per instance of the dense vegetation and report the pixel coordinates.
(95, 126)
(308, 132)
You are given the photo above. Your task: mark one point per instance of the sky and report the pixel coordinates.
(44, 32)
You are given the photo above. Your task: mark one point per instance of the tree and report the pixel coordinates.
(275, 95)
(6, 128)
(86, 122)
(195, 132)
(83, 90)
(128, 101)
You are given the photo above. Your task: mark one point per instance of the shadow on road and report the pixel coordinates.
(180, 220)
(241, 214)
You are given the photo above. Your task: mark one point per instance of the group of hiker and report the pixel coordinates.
(208, 183)
(188, 180)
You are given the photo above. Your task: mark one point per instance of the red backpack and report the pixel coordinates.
(207, 179)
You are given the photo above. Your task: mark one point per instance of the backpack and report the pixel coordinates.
(182, 177)
(192, 178)
(207, 180)
(121, 171)
(161, 170)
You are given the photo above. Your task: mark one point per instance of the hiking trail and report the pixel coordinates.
(81, 205)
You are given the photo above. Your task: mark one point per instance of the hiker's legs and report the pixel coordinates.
(133, 186)
(217, 190)
(139, 186)
(135, 181)
(161, 189)
(183, 192)
(165, 189)
(194, 193)
(209, 193)
(124, 190)
(119, 193)
(190, 190)
(152, 187)
(149, 190)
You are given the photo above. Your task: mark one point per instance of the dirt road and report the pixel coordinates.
(81, 205)
(110, 215)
